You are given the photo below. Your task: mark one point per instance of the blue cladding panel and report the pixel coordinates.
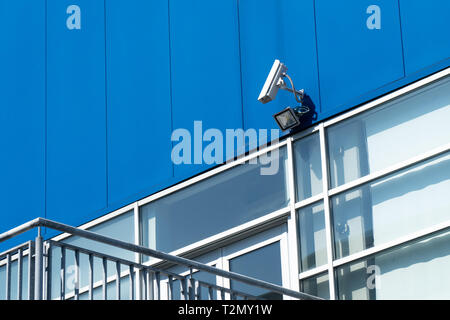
(426, 32)
(108, 143)
(22, 111)
(269, 30)
(205, 67)
(76, 113)
(354, 60)
(138, 96)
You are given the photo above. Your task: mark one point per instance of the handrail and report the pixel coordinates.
(42, 222)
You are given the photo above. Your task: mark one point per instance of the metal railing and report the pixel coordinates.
(18, 255)
(144, 282)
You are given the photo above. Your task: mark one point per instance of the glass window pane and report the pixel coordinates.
(250, 264)
(413, 271)
(205, 258)
(392, 207)
(120, 227)
(216, 204)
(308, 168)
(312, 236)
(402, 129)
(200, 276)
(207, 278)
(97, 293)
(317, 286)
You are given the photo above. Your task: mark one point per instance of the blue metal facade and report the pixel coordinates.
(86, 114)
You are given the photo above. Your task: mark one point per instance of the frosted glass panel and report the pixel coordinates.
(402, 129)
(308, 168)
(415, 271)
(311, 230)
(395, 206)
(211, 206)
(120, 227)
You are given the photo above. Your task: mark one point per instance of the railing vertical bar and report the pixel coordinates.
(158, 285)
(8, 277)
(117, 280)
(198, 291)
(144, 284)
(149, 277)
(19, 274)
(131, 282)
(63, 273)
(48, 271)
(105, 278)
(170, 289)
(222, 294)
(210, 293)
(191, 288)
(77, 275)
(183, 289)
(91, 276)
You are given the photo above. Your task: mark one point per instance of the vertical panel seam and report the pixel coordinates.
(106, 106)
(45, 109)
(240, 62)
(317, 55)
(170, 84)
(401, 38)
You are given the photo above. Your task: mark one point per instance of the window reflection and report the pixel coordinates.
(312, 237)
(263, 264)
(397, 205)
(317, 286)
(412, 271)
(211, 206)
(308, 168)
(401, 129)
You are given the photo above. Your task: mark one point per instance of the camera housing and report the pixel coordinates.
(273, 82)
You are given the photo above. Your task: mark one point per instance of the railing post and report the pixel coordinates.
(38, 263)
(48, 271)
(30, 270)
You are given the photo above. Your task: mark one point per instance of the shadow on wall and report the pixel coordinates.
(308, 118)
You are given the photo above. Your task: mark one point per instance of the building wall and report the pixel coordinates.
(87, 114)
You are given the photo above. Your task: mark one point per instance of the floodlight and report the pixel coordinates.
(290, 117)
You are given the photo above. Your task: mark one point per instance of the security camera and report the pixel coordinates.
(272, 84)
(275, 81)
